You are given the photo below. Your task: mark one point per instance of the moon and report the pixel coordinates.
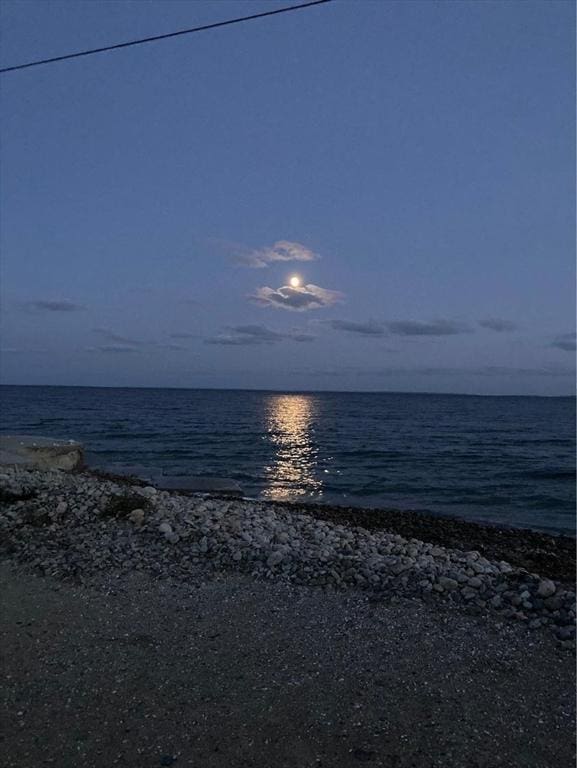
(295, 281)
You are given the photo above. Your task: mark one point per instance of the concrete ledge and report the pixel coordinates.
(32, 452)
(193, 484)
(181, 483)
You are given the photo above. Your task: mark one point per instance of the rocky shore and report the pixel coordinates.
(75, 526)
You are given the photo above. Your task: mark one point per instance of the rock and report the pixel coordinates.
(553, 603)
(546, 588)
(275, 558)
(165, 528)
(148, 491)
(438, 552)
(475, 582)
(447, 583)
(516, 600)
(44, 453)
(565, 633)
(136, 516)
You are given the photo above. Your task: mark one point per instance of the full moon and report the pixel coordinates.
(295, 281)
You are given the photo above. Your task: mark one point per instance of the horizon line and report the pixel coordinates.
(285, 391)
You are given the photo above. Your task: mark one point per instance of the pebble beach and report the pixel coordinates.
(75, 525)
(119, 546)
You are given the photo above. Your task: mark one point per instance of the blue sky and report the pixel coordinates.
(412, 162)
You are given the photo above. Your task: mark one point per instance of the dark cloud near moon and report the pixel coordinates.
(297, 299)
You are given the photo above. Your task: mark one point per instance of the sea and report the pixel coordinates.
(504, 460)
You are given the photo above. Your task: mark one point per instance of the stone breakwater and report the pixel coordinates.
(78, 525)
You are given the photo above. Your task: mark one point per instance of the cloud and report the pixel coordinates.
(247, 335)
(244, 335)
(183, 335)
(488, 371)
(496, 324)
(170, 347)
(229, 340)
(370, 328)
(300, 336)
(566, 342)
(116, 338)
(282, 250)
(55, 306)
(297, 299)
(114, 349)
(258, 332)
(20, 351)
(500, 370)
(119, 343)
(435, 328)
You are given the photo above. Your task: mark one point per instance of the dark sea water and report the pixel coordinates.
(507, 460)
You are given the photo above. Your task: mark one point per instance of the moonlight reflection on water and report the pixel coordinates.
(289, 420)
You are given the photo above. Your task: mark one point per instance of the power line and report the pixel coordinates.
(163, 37)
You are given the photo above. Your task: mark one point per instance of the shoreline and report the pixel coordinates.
(552, 555)
(76, 525)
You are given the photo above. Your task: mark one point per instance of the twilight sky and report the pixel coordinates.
(412, 162)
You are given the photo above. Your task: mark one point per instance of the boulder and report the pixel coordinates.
(32, 452)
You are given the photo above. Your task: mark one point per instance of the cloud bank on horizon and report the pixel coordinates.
(44, 305)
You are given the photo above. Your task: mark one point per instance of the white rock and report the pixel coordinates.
(136, 516)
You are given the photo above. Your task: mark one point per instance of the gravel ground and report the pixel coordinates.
(172, 629)
(229, 672)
